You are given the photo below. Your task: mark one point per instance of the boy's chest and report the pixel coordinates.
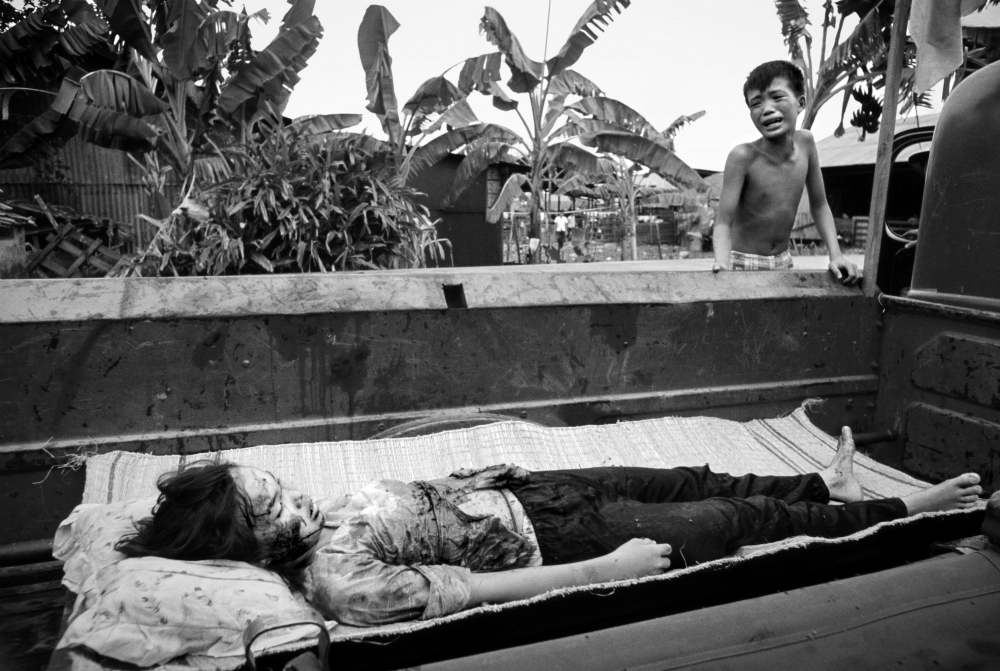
(787, 174)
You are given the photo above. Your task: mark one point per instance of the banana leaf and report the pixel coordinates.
(299, 11)
(211, 169)
(618, 113)
(376, 28)
(458, 115)
(593, 126)
(120, 93)
(433, 97)
(865, 44)
(501, 100)
(481, 155)
(794, 19)
(572, 158)
(319, 124)
(570, 82)
(361, 141)
(128, 21)
(584, 33)
(671, 131)
(25, 48)
(479, 72)
(78, 12)
(216, 33)
(512, 189)
(583, 186)
(277, 65)
(646, 152)
(526, 73)
(183, 55)
(435, 150)
(46, 132)
(80, 40)
(112, 129)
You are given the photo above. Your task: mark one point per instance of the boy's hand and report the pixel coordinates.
(717, 267)
(844, 270)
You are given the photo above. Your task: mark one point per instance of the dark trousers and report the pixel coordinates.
(585, 513)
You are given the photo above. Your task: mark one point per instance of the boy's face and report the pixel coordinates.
(775, 109)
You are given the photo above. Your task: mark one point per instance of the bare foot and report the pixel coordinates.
(956, 494)
(839, 475)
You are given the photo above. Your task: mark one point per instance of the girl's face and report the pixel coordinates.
(285, 520)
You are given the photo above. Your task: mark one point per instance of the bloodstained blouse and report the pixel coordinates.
(405, 551)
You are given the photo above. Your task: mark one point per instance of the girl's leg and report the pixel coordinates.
(586, 513)
(689, 483)
(705, 530)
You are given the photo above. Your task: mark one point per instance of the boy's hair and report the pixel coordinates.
(765, 73)
(202, 513)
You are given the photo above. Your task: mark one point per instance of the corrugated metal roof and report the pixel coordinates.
(849, 150)
(95, 181)
(985, 17)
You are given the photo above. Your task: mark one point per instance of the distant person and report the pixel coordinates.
(763, 181)
(562, 223)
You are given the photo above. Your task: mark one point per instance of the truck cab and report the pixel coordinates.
(195, 365)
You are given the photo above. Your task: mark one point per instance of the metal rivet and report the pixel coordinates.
(524, 414)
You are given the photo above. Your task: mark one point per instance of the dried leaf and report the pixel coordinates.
(376, 28)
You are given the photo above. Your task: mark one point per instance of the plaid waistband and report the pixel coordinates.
(744, 261)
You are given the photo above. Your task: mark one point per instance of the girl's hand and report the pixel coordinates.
(637, 558)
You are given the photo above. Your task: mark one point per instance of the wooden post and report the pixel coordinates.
(883, 162)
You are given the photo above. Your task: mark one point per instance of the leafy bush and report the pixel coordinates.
(296, 202)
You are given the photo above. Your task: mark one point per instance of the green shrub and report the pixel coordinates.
(296, 202)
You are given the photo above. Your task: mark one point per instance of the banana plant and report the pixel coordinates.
(437, 119)
(850, 64)
(554, 129)
(189, 76)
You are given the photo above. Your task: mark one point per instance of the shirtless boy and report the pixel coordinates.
(763, 181)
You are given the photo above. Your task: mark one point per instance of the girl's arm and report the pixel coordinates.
(637, 558)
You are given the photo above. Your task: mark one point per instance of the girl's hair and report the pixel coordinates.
(202, 513)
(765, 73)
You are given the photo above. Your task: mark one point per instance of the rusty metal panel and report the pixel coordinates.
(93, 380)
(939, 441)
(192, 385)
(941, 358)
(961, 366)
(92, 180)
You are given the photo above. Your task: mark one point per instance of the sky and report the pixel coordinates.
(663, 58)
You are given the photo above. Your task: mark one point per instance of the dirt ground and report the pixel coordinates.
(595, 251)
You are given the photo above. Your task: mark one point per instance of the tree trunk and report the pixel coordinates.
(809, 115)
(535, 227)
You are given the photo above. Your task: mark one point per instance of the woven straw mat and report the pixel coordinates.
(782, 446)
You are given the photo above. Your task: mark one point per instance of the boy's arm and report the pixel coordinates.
(729, 201)
(842, 269)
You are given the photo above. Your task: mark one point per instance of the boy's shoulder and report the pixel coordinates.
(743, 153)
(805, 137)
